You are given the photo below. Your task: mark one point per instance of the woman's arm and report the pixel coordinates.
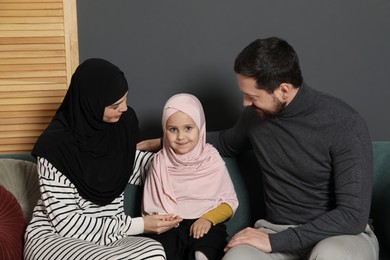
(73, 216)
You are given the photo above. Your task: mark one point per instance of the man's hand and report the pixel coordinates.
(150, 145)
(157, 224)
(253, 237)
(200, 227)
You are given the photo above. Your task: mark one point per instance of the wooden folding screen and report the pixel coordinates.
(38, 54)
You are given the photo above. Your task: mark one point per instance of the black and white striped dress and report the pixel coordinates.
(66, 226)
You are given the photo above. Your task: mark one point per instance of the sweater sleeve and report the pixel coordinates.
(219, 214)
(73, 216)
(231, 142)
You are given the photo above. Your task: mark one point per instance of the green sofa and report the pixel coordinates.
(18, 175)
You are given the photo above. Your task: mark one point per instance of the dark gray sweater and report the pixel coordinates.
(316, 162)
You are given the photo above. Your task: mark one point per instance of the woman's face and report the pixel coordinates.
(181, 132)
(112, 113)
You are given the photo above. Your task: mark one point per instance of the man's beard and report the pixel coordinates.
(270, 114)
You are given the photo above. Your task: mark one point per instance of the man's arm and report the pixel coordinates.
(351, 154)
(150, 145)
(231, 142)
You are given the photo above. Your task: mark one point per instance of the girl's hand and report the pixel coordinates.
(200, 228)
(157, 224)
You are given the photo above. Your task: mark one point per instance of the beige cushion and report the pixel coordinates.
(21, 179)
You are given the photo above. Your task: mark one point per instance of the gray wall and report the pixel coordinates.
(171, 46)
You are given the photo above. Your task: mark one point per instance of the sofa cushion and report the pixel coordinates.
(380, 210)
(12, 225)
(245, 174)
(20, 177)
(134, 190)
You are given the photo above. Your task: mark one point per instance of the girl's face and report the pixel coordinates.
(112, 113)
(182, 134)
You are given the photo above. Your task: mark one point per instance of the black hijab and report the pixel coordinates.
(96, 156)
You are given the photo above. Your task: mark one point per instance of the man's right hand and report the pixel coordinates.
(253, 237)
(150, 145)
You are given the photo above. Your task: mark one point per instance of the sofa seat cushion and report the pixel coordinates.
(12, 226)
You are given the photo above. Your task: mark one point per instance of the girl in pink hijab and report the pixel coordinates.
(188, 178)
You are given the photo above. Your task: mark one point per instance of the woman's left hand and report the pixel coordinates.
(157, 224)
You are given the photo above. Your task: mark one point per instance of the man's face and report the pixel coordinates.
(267, 105)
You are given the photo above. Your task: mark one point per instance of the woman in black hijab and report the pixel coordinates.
(85, 159)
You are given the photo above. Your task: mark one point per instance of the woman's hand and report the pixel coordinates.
(200, 227)
(150, 145)
(157, 224)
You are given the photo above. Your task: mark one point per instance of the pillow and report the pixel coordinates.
(12, 226)
(20, 177)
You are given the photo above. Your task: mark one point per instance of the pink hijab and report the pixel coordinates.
(191, 184)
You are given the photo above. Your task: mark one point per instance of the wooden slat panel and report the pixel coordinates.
(32, 87)
(34, 80)
(31, 40)
(28, 107)
(30, 6)
(21, 114)
(16, 134)
(25, 120)
(19, 140)
(29, 94)
(36, 33)
(18, 145)
(22, 127)
(33, 67)
(38, 54)
(17, 148)
(31, 20)
(36, 26)
(31, 13)
(34, 54)
(31, 74)
(32, 47)
(32, 100)
(43, 60)
(71, 37)
(32, 1)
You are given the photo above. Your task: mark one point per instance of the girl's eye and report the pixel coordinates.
(189, 128)
(172, 129)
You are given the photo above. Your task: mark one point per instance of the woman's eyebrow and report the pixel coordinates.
(115, 104)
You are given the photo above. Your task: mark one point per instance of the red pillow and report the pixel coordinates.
(12, 226)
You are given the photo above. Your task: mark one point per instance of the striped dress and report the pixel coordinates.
(66, 226)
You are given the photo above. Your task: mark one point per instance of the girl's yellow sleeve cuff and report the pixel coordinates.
(219, 214)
